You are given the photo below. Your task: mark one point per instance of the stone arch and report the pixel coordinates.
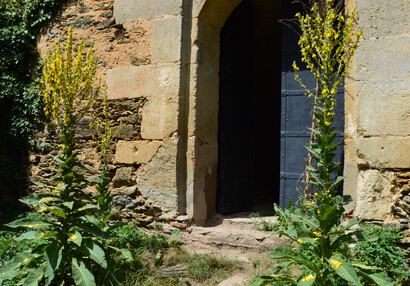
(209, 16)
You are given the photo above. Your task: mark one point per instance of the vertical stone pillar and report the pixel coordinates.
(159, 82)
(377, 116)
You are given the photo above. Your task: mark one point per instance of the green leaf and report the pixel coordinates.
(5, 245)
(76, 238)
(58, 212)
(29, 235)
(95, 230)
(284, 252)
(270, 279)
(28, 223)
(310, 168)
(344, 269)
(68, 205)
(52, 259)
(81, 273)
(33, 277)
(339, 179)
(9, 267)
(375, 275)
(34, 200)
(96, 253)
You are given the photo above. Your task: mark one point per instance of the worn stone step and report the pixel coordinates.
(245, 239)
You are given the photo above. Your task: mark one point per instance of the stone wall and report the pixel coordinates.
(377, 113)
(141, 97)
(159, 60)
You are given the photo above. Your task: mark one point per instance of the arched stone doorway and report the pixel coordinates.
(276, 155)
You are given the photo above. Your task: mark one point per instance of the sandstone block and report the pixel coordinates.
(133, 10)
(166, 40)
(383, 108)
(159, 117)
(374, 197)
(143, 81)
(383, 59)
(157, 180)
(390, 152)
(135, 152)
(381, 18)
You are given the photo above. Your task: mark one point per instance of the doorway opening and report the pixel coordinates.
(249, 119)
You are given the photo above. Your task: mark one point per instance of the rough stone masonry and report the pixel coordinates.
(160, 61)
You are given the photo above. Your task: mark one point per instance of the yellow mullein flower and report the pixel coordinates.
(308, 278)
(42, 210)
(335, 263)
(300, 241)
(26, 260)
(72, 236)
(327, 123)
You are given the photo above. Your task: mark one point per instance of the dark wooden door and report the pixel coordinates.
(235, 113)
(296, 113)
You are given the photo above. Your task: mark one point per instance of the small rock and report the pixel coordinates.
(130, 191)
(88, 43)
(83, 23)
(125, 132)
(110, 38)
(53, 33)
(71, 15)
(83, 129)
(105, 24)
(109, 47)
(101, 64)
(82, 10)
(183, 218)
(144, 221)
(179, 225)
(106, 15)
(63, 38)
(136, 61)
(124, 177)
(399, 212)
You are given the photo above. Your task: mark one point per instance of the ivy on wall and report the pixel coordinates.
(20, 22)
(20, 106)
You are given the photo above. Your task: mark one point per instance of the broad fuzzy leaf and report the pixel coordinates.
(285, 253)
(81, 273)
(33, 277)
(52, 260)
(375, 275)
(28, 223)
(29, 235)
(96, 252)
(344, 269)
(9, 267)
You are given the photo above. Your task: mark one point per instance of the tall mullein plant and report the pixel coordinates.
(72, 242)
(327, 46)
(319, 242)
(104, 137)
